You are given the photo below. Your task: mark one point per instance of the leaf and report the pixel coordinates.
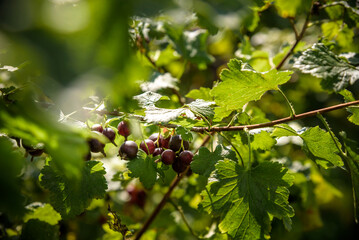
(143, 167)
(351, 57)
(201, 108)
(320, 147)
(39, 230)
(71, 198)
(322, 63)
(291, 8)
(185, 133)
(283, 130)
(160, 81)
(192, 45)
(348, 97)
(164, 115)
(246, 199)
(338, 31)
(42, 212)
(241, 84)
(201, 93)
(11, 164)
(203, 163)
(263, 141)
(148, 99)
(352, 160)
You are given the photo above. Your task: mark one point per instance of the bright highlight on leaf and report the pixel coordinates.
(246, 200)
(320, 62)
(241, 84)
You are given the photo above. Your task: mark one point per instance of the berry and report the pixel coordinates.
(36, 151)
(137, 196)
(128, 150)
(158, 151)
(110, 134)
(97, 128)
(123, 129)
(148, 146)
(165, 142)
(96, 146)
(186, 157)
(157, 140)
(175, 143)
(178, 166)
(168, 157)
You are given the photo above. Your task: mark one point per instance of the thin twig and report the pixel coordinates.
(291, 20)
(278, 121)
(253, 126)
(298, 39)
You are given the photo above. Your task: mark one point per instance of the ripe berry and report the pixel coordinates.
(34, 151)
(128, 150)
(168, 157)
(137, 196)
(123, 129)
(175, 143)
(97, 128)
(186, 157)
(96, 146)
(165, 142)
(148, 146)
(157, 140)
(158, 151)
(110, 134)
(178, 166)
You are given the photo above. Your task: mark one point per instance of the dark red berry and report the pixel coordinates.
(128, 150)
(148, 146)
(186, 157)
(157, 140)
(123, 129)
(178, 166)
(168, 157)
(96, 146)
(110, 134)
(137, 196)
(185, 145)
(97, 128)
(175, 142)
(158, 151)
(165, 142)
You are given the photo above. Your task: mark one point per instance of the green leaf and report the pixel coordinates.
(160, 81)
(321, 148)
(201, 93)
(291, 8)
(192, 45)
(337, 74)
(283, 130)
(164, 115)
(338, 31)
(348, 97)
(352, 160)
(203, 163)
(39, 230)
(143, 167)
(43, 212)
(71, 198)
(185, 133)
(263, 141)
(201, 108)
(11, 164)
(246, 199)
(148, 99)
(241, 84)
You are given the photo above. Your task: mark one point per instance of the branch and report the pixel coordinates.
(275, 122)
(298, 39)
(165, 197)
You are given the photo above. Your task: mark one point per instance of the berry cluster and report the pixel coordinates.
(173, 150)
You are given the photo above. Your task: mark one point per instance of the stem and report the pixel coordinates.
(234, 147)
(293, 27)
(322, 119)
(278, 121)
(291, 109)
(249, 148)
(179, 209)
(298, 39)
(162, 203)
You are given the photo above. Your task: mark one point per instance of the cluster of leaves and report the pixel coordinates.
(245, 180)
